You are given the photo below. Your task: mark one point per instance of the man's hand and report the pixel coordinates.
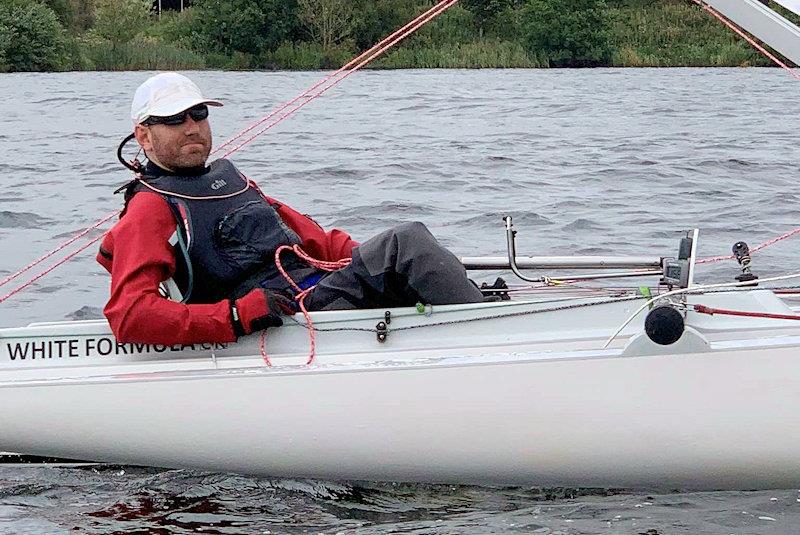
(260, 309)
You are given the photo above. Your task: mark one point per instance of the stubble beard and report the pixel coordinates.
(182, 156)
(194, 157)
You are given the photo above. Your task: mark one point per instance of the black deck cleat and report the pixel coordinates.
(495, 291)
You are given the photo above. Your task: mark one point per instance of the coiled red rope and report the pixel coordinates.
(301, 295)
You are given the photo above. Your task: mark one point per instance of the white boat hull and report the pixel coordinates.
(553, 409)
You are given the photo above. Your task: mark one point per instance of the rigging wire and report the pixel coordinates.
(746, 37)
(390, 39)
(337, 77)
(440, 8)
(753, 250)
(51, 268)
(781, 64)
(62, 246)
(354, 65)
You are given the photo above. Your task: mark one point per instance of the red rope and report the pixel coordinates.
(409, 29)
(428, 15)
(746, 37)
(301, 294)
(44, 257)
(51, 268)
(262, 345)
(753, 250)
(702, 309)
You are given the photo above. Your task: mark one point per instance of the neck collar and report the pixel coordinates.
(151, 169)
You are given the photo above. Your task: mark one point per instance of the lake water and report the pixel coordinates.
(612, 161)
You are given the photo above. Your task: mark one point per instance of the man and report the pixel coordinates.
(210, 232)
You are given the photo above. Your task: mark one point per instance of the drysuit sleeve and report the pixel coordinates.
(330, 246)
(138, 255)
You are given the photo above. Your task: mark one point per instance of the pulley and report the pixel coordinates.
(741, 252)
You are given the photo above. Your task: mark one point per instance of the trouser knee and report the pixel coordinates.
(413, 232)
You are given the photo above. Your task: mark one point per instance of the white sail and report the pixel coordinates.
(764, 23)
(791, 5)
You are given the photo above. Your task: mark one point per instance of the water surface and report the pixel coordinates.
(605, 161)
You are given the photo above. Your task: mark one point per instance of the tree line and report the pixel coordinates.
(54, 35)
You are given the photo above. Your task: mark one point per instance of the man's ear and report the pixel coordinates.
(143, 136)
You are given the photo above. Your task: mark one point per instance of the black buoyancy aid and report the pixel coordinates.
(228, 234)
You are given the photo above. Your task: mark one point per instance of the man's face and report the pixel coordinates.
(174, 147)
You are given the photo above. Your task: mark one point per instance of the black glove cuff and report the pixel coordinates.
(238, 328)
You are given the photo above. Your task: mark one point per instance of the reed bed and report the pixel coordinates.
(474, 55)
(143, 54)
(675, 34)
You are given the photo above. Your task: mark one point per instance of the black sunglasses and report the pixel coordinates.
(197, 113)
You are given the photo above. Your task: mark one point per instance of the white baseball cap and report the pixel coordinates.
(165, 94)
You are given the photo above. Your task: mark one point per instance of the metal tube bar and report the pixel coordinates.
(584, 277)
(511, 235)
(615, 275)
(562, 262)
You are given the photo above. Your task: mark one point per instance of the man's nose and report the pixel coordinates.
(190, 126)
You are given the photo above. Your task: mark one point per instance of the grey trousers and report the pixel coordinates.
(402, 266)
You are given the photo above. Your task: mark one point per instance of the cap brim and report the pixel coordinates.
(176, 106)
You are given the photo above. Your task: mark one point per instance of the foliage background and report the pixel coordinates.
(51, 35)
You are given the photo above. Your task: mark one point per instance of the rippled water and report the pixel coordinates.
(587, 161)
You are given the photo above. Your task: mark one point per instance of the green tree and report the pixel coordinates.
(82, 14)
(31, 37)
(328, 22)
(245, 26)
(5, 42)
(487, 10)
(568, 34)
(376, 19)
(63, 9)
(119, 21)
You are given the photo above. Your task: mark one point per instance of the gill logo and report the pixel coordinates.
(218, 184)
